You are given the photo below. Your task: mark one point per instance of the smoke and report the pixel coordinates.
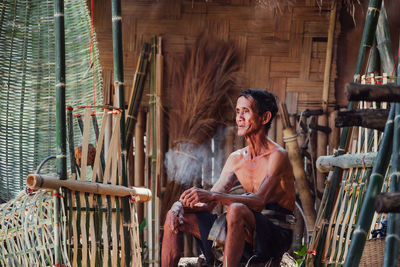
(185, 162)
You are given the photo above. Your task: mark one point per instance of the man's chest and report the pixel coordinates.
(251, 173)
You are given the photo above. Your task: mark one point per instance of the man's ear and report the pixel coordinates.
(266, 117)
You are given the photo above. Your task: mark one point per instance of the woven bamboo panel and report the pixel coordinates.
(27, 231)
(295, 40)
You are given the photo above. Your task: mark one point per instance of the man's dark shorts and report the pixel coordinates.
(271, 240)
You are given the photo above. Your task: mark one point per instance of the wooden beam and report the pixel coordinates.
(369, 92)
(367, 118)
(387, 202)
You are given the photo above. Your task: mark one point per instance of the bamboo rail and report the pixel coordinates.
(347, 161)
(36, 181)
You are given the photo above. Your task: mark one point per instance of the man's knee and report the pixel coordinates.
(236, 213)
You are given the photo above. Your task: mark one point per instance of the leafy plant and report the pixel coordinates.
(302, 254)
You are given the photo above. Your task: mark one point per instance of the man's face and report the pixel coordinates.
(247, 119)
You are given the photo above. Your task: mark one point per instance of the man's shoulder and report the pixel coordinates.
(238, 154)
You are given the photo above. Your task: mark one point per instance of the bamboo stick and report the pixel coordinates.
(335, 134)
(384, 43)
(139, 157)
(36, 181)
(153, 108)
(137, 91)
(328, 58)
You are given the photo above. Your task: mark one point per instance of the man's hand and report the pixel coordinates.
(196, 197)
(177, 216)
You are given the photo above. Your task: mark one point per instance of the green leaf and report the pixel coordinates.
(142, 225)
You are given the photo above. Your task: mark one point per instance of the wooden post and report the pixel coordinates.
(335, 134)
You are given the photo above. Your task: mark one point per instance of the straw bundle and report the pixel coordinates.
(205, 81)
(27, 82)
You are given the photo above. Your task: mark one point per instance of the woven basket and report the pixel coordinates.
(374, 252)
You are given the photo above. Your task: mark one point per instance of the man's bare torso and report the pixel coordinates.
(252, 172)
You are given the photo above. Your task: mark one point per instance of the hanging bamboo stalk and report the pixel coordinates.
(137, 92)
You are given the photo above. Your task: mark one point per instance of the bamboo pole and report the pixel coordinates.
(393, 226)
(119, 86)
(139, 157)
(367, 39)
(160, 142)
(154, 148)
(61, 142)
(36, 181)
(384, 43)
(346, 161)
(328, 58)
(137, 92)
(322, 143)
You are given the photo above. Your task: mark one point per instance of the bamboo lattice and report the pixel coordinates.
(27, 82)
(92, 226)
(26, 230)
(345, 213)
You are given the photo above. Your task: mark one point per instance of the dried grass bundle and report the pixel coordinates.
(205, 78)
(206, 82)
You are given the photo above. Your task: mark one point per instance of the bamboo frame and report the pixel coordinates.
(367, 39)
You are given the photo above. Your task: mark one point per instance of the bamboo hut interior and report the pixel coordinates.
(136, 104)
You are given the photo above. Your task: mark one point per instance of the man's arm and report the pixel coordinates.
(276, 166)
(225, 182)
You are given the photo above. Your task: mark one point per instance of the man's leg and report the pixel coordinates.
(172, 241)
(240, 224)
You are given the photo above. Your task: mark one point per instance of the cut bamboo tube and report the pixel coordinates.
(36, 181)
(296, 159)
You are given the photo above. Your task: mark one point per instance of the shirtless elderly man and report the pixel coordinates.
(256, 222)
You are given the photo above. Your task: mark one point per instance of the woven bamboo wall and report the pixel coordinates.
(283, 52)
